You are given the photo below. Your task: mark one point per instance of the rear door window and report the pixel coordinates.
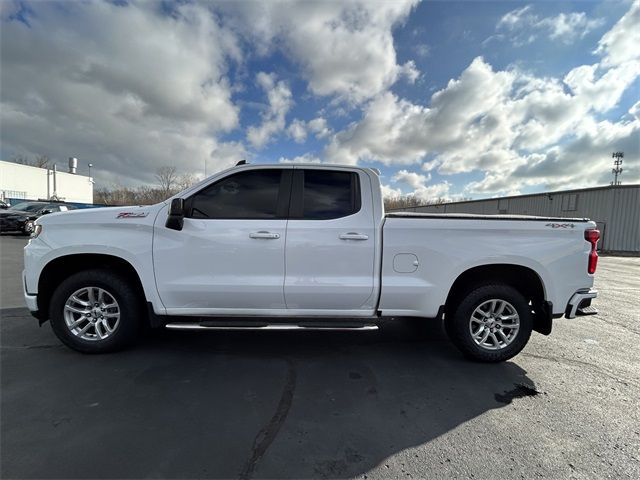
(325, 194)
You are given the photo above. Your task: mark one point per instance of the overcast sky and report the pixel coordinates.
(447, 99)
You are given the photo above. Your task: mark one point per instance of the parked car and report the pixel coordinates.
(21, 217)
(3, 205)
(310, 246)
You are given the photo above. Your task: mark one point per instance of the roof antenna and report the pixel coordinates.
(241, 162)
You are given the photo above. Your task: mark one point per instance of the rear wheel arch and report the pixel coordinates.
(524, 279)
(63, 267)
(492, 323)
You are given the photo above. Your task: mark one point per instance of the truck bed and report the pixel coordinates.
(421, 249)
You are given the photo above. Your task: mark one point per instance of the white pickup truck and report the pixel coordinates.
(301, 247)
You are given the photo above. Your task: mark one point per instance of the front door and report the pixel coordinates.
(229, 256)
(330, 243)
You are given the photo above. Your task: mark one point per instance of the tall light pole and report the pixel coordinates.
(90, 165)
(617, 167)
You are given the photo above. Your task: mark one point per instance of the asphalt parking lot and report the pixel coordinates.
(398, 403)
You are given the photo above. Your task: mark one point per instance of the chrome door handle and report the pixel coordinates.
(266, 235)
(353, 236)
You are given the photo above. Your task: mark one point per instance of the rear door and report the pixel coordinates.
(330, 246)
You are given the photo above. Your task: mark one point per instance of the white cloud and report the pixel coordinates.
(305, 158)
(319, 127)
(431, 193)
(414, 180)
(394, 131)
(568, 27)
(410, 71)
(586, 160)
(76, 82)
(345, 49)
(502, 123)
(390, 192)
(419, 183)
(522, 26)
(422, 50)
(511, 20)
(273, 118)
(620, 44)
(602, 93)
(299, 129)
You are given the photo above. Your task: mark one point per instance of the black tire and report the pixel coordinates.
(23, 229)
(128, 328)
(458, 325)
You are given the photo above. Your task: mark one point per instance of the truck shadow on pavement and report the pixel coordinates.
(248, 405)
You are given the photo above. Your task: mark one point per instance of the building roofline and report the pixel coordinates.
(540, 194)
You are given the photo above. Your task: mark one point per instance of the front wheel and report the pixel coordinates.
(95, 311)
(492, 323)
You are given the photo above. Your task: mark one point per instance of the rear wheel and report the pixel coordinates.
(492, 323)
(95, 311)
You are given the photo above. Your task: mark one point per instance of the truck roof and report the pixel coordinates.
(308, 164)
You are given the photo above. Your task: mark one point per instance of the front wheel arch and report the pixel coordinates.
(60, 268)
(74, 326)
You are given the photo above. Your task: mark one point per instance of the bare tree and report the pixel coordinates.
(169, 183)
(407, 201)
(167, 179)
(21, 159)
(41, 161)
(410, 201)
(185, 181)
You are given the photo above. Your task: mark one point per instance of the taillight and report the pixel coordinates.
(592, 236)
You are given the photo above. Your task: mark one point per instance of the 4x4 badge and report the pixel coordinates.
(560, 225)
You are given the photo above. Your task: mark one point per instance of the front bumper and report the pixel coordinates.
(30, 299)
(32, 302)
(580, 303)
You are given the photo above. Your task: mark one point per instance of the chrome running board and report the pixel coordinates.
(272, 327)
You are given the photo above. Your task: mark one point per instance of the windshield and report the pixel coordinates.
(28, 207)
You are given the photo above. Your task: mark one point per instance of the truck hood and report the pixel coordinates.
(134, 215)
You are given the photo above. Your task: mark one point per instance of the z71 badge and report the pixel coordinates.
(560, 225)
(132, 215)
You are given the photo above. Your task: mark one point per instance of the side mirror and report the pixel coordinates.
(175, 219)
(45, 211)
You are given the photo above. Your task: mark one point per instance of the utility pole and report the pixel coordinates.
(617, 167)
